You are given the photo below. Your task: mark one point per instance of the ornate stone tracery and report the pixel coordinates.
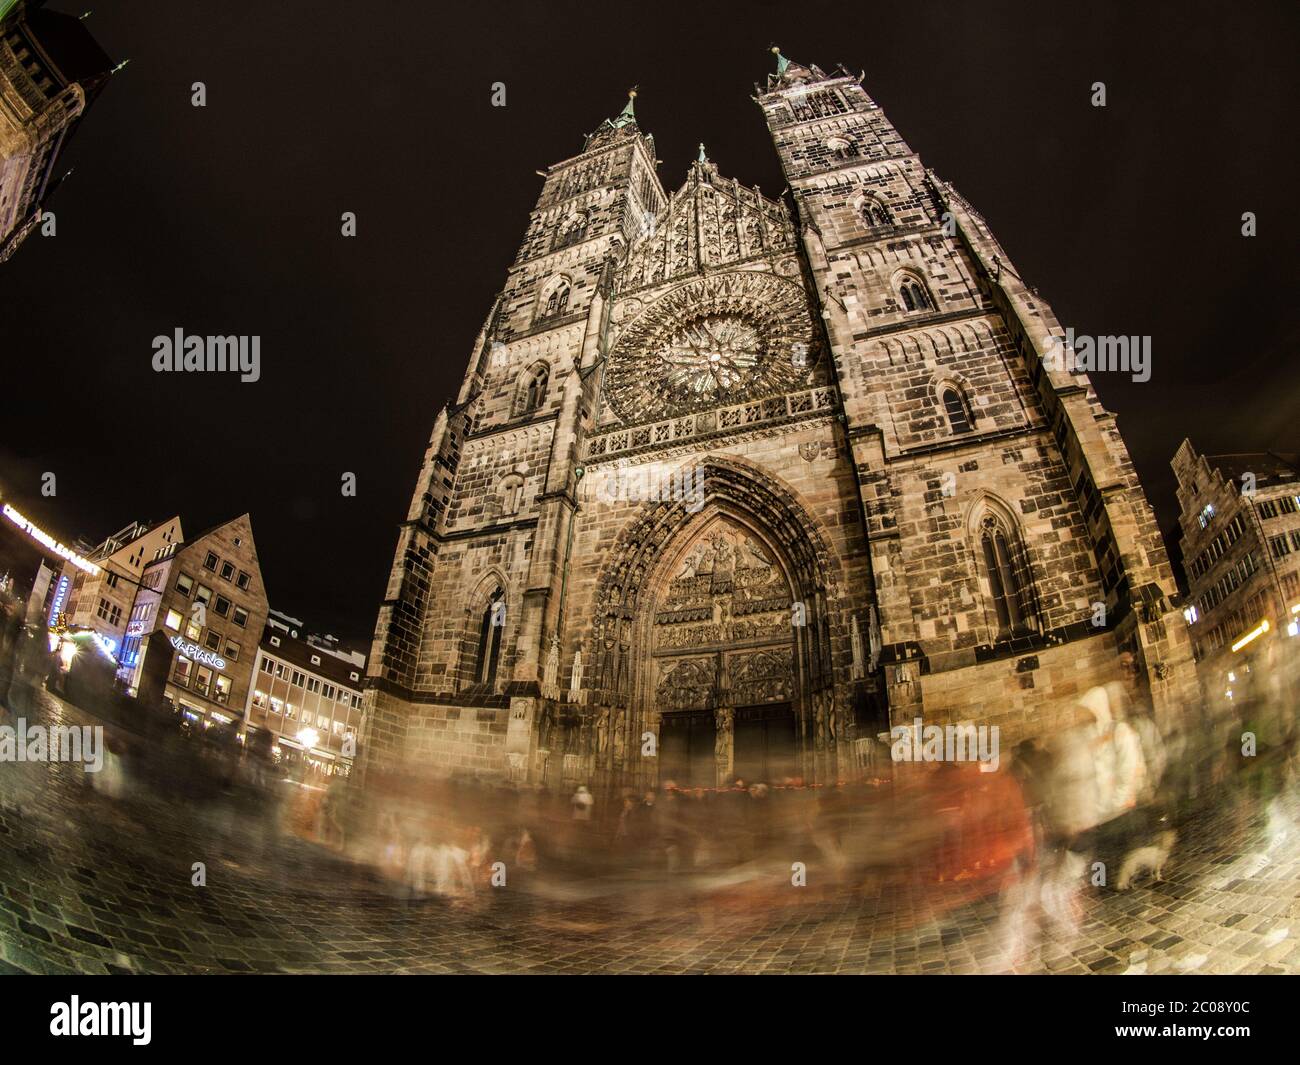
(714, 340)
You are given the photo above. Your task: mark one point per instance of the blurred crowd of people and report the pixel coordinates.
(1099, 804)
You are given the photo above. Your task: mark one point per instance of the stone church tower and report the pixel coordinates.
(734, 483)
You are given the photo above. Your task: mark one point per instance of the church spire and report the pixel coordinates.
(788, 72)
(627, 117)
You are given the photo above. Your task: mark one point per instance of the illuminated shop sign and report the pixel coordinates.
(42, 537)
(60, 597)
(195, 653)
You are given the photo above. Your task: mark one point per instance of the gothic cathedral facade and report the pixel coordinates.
(734, 484)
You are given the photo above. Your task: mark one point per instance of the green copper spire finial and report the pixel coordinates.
(628, 116)
(781, 61)
(703, 158)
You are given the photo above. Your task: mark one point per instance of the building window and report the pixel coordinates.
(181, 670)
(203, 680)
(184, 585)
(328, 691)
(193, 630)
(222, 691)
(874, 214)
(557, 301)
(298, 679)
(241, 582)
(212, 641)
(232, 650)
(959, 419)
(203, 595)
(240, 617)
(173, 620)
(913, 294)
(222, 606)
(842, 150)
(573, 232)
(1207, 512)
(313, 685)
(268, 666)
(275, 641)
(227, 571)
(210, 562)
(488, 651)
(1004, 577)
(315, 660)
(532, 393)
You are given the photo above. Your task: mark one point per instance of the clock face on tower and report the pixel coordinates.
(725, 339)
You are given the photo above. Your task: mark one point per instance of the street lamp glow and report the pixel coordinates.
(308, 737)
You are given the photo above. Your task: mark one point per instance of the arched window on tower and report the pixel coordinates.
(1005, 573)
(959, 418)
(487, 653)
(532, 393)
(842, 150)
(874, 214)
(913, 294)
(574, 230)
(558, 300)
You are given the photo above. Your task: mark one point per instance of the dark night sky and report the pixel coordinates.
(226, 220)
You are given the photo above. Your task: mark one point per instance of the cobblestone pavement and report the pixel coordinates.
(90, 884)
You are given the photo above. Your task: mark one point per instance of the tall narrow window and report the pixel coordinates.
(488, 653)
(1007, 590)
(958, 416)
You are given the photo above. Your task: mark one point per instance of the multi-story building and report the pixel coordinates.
(732, 482)
(51, 70)
(103, 601)
(206, 594)
(1240, 519)
(308, 693)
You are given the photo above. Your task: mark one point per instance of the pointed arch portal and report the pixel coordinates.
(713, 633)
